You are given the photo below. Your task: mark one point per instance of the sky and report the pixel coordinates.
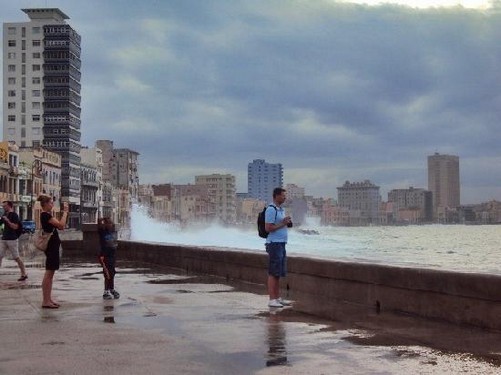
(334, 90)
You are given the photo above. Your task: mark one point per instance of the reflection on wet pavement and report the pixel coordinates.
(229, 328)
(277, 342)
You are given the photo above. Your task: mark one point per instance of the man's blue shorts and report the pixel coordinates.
(277, 265)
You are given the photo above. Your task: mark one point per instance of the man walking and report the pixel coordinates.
(276, 224)
(11, 222)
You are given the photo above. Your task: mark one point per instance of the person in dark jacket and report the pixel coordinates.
(9, 242)
(108, 242)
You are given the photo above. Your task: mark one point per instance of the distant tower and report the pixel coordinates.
(41, 92)
(443, 182)
(262, 178)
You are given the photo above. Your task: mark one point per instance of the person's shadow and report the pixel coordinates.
(277, 342)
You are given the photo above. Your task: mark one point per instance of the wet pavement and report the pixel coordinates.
(170, 323)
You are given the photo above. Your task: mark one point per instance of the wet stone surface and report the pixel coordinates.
(204, 325)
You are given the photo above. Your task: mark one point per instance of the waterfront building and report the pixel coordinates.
(161, 202)
(248, 209)
(41, 92)
(222, 195)
(262, 178)
(39, 172)
(410, 206)
(191, 203)
(362, 199)
(120, 169)
(91, 190)
(444, 183)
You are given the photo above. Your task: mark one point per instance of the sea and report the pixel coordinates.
(464, 248)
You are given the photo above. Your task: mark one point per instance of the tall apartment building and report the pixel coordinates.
(41, 91)
(262, 178)
(443, 182)
(222, 194)
(362, 199)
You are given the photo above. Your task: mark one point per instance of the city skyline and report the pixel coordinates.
(332, 91)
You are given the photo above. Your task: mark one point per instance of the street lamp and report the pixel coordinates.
(36, 166)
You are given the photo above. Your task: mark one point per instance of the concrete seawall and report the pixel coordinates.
(333, 289)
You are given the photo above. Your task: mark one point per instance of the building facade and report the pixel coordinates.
(120, 170)
(411, 205)
(362, 199)
(222, 195)
(444, 183)
(262, 178)
(41, 91)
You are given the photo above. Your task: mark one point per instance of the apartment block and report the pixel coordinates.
(222, 195)
(411, 205)
(362, 199)
(41, 91)
(262, 178)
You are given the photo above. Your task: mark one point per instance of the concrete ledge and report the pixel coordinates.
(321, 287)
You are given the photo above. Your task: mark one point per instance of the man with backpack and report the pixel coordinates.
(12, 228)
(276, 224)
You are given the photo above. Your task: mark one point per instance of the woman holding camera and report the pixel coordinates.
(51, 225)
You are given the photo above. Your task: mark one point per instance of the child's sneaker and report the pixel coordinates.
(116, 295)
(107, 295)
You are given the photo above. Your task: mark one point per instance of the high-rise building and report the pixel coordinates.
(262, 178)
(443, 182)
(41, 91)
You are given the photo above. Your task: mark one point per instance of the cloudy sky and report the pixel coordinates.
(333, 90)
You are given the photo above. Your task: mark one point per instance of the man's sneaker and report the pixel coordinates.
(284, 302)
(116, 295)
(22, 278)
(107, 295)
(274, 303)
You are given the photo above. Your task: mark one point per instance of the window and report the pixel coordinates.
(36, 43)
(35, 93)
(36, 144)
(35, 105)
(36, 68)
(11, 93)
(12, 81)
(23, 44)
(36, 55)
(35, 80)
(23, 132)
(11, 118)
(35, 118)
(37, 131)
(35, 30)
(11, 55)
(11, 68)
(23, 32)
(12, 131)
(11, 43)
(11, 31)
(11, 105)
(23, 69)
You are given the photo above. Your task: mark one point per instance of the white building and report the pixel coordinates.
(41, 91)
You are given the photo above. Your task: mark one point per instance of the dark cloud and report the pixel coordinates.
(333, 91)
